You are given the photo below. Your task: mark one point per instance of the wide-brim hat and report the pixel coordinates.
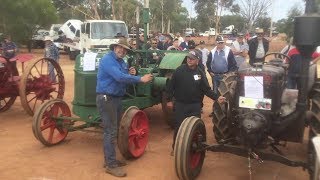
(122, 42)
(259, 31)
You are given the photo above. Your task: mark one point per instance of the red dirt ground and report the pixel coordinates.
(23, 157)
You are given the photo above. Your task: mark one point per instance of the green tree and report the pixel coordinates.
(286, 25)
(28, 17)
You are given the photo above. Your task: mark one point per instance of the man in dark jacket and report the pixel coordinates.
(258, 47)
(188, 85)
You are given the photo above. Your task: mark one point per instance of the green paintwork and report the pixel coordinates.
(172, 60)
(84, 101)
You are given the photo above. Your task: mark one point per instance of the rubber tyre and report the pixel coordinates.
(188, 162)
(222, 115)
(314, 126)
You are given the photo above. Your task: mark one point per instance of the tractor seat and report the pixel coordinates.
(22, 58)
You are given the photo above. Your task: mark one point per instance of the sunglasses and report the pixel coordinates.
(154, 43)
(220, 42)
(134, 44)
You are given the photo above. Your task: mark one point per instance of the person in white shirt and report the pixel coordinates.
(240, 49)
(205, 53)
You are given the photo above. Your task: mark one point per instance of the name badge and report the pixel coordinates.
(197, 77)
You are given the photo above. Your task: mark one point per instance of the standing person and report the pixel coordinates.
(220, 61)
(258, 47)
(295, 63)
(240, 49)
(175, 46)
(184, 45)
(205, 53)
(153, 57)
(188, 85)
(51, 51)
(112, 77)
(9, 49)
(178, 36)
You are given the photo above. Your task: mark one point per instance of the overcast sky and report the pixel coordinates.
(280, 8)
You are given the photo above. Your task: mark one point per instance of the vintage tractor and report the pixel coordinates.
(53, 120)
(260, 113)
(35, 86)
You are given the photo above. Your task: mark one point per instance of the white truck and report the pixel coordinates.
(211, 32)
(92, 35)
(228, 30)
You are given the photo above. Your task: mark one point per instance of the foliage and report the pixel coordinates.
(236, 20)
(286, 25)
(252, 10)
(28, 17)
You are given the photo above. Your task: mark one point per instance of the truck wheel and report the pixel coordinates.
(188, 151)
(222, 115)
(314, 127)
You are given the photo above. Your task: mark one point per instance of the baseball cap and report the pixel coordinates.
(191, 44)
(219, 39)
(193, 55)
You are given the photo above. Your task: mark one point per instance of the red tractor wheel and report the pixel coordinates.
(133, 133)
(42, 80)
(7, 74)
(48, 125)
(188, 152)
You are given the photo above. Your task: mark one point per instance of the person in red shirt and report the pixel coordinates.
(293, 80)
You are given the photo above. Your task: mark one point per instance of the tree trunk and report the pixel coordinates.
(113, 10)
(121, 10)
(169, 24)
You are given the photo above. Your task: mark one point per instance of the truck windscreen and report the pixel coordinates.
(108, 30)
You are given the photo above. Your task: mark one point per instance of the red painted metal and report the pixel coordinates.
(22, 58)
(53, 131)
(194, 156)
(138, 134)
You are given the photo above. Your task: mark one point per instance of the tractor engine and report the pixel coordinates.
(259, 101)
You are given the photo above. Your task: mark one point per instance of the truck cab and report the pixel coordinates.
(100, 34)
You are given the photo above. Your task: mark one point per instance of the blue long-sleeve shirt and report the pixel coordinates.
(113, 76)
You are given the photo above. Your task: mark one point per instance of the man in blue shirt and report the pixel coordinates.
(9, 49)
(112, 78)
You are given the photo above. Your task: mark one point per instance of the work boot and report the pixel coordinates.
(120, 163)
(116, 171)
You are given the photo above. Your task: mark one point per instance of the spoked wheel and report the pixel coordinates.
(133, 133)
(188, 150)
(7, 74)
(167, 109)
(48, 125)
(42, 80)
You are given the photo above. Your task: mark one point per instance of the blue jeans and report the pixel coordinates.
(293, 82)
(216, 82)
(52, 74)
(109, 110)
